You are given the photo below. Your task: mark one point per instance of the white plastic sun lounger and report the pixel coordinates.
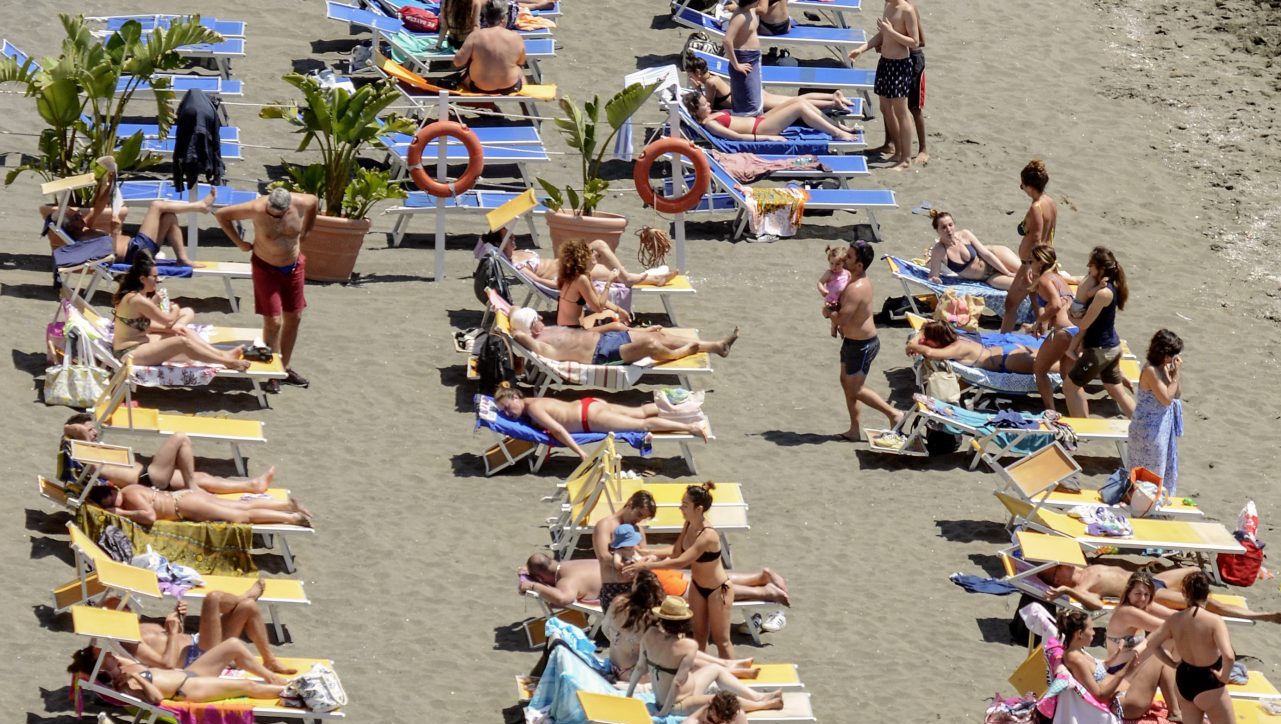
(837, 40)
(777, 76)
(225, 28)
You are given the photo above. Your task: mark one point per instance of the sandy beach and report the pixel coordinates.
(1158, 127)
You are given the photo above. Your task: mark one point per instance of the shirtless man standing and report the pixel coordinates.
(493, 56)
(897, 34)
(860, 345)
(603, 344)
(280, 220)
(145, 506)
(1091, 584)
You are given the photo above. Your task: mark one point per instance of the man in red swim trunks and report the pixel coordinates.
(280, 219)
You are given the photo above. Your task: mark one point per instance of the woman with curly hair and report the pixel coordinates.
(578, 296)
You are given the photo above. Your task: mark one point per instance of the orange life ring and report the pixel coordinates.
(680, 147)
(475, 158)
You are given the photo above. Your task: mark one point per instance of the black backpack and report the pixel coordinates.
(493, 363)
(699, 40)
(490, 274)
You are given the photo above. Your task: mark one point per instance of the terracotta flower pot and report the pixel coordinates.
(331, 247)
(565, 225)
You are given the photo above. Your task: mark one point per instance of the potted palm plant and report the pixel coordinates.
(341, 123)
(83, 93)
(573, 214)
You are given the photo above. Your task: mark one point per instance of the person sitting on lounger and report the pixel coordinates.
(173, 467)
(1076, 633)
(605, 268)
(198, 682)
(680, 686)
(145, 506)
(581, 301)
(159, 225)
(717, 91)
(608, 343)
(762, 128)
(563, 583)
(222, 617)
(938, 341)
(1135, 616)
(493, 56)
(153, 335)
(560, 418)
(1091, 584)
(967, 257)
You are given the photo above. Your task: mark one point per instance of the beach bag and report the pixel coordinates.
(938, 441)
(493, 363)
(702, 42)
(960, 310)
(418, 20)
(1015, 710)
(316, 690)
(1242, 569)
(942, 384)
(677, 403)
(1116, 487)
(76, 382)
(1145, 499)
(489, 275)
(116, 544)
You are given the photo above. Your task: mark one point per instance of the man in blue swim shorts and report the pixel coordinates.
(860, 345)
(607, 344)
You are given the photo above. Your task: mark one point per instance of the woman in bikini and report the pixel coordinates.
(670, 658)
(606, 267)
(153, 335)
(579, 298)
(1076, 632)
(1202, 641)
(698, 548)
(198, 682)
(762, 128)
(968, 258)
(938, 341)
(1037, 227)
(717, 91)
(560, 418)
(1136, 616)
(1053, 300)
(145, 505)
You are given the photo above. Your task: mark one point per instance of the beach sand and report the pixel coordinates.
(1158, 128)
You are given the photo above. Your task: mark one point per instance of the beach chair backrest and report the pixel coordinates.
(1032, 675)
(107, 624)
(610, 709)
(85, 545)
(111, 397)
(538, 287)
(1042, 471)
(126, 578)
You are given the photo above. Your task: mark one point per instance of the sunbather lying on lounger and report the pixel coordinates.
(171, 468)
(938, 341)
(154, 335)
(967, 257)
(1091, 584)
(145, 506)
(222, 617)
(160, 224)
(605, 268)
(199, 681)
(608, 343)
(717, 91)
(562, 583)
(562, 417)
(680, 686)
(762, 128)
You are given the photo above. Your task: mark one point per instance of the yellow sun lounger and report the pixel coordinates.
(1038, 478)
(399, 73)
(114, 412)
(610, 709)
(98, 574)
(110, 629)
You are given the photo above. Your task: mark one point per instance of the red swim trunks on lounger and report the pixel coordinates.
(278, 289)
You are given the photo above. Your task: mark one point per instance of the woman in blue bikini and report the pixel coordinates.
(1052, 298)
(938, 341)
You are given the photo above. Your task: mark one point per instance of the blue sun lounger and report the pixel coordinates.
(220, 53)
(390, 25)
(225, 28)
(145, 191)
(838, 40)
(910, 274)
(835, 10)
(153, 142)
(392, 7)
(800, 139)
(476, 200)
(842, 79)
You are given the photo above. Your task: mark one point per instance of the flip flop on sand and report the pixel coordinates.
(925, 207)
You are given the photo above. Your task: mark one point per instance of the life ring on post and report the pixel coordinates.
(475, 158)
(680, 147)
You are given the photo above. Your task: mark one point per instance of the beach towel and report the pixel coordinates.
(221, 549)
(979, 584)
(993, 298)
(1153, 438)
(747, 94)
(232, 711)
(748, 168)
(577, 640)
(164, 267)
(556, 698)
(487, 415)
(775, 212)
(799, 140)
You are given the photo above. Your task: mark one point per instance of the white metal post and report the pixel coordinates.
(441, 170)
(678, 183)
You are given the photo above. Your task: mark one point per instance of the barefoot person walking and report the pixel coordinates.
(860, 346)
(280, 220)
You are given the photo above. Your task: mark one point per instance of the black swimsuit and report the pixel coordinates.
(1192, 681)
(708, 557)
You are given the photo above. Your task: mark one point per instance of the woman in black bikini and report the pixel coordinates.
(578, 296)
(1037, 227)
(698, 548)
(153, 335)
(199, 682)
(680, 685)
(962, 252)
(1202, 640)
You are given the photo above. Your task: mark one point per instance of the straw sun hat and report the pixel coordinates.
(674, 608)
